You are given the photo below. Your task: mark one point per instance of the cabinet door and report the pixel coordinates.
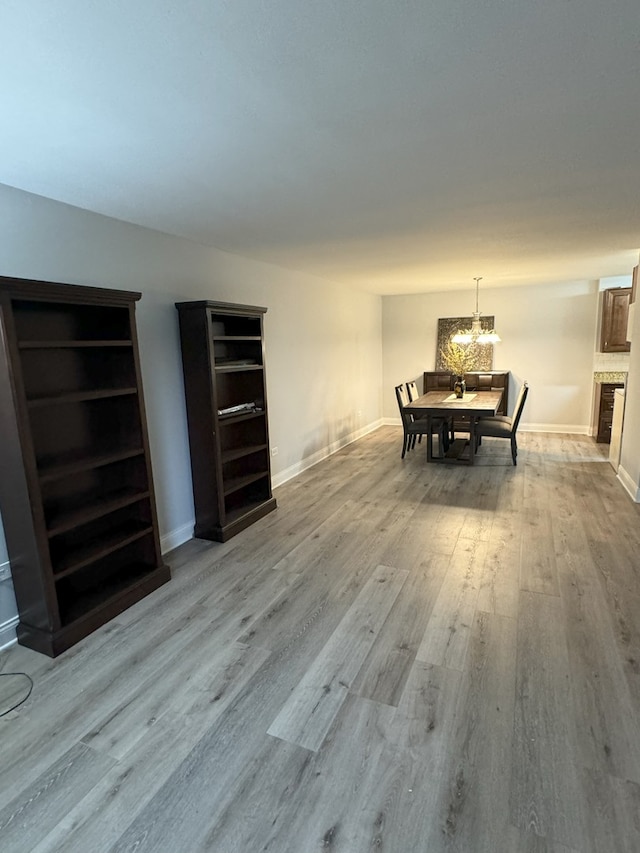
(615, 311)
(605, 413)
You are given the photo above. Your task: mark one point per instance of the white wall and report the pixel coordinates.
(323, 342)
(547, 336)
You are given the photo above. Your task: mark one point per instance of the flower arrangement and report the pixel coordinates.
(459, 358)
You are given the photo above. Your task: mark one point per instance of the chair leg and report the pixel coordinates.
(405, 439)
(444, 437)
(514, 449)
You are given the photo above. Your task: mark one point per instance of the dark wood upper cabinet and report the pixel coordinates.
(225, 390)
(76, 489)
(615, 313)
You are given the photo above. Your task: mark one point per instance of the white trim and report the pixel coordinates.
(293, 470)
(629, 484)
(572, 429)
(8, 636)
(5, 571)
(177, 537)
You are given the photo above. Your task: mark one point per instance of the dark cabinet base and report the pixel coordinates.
(604, 407)
(53, 643)
(219, 533)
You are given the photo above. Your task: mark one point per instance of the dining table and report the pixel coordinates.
(445, 404)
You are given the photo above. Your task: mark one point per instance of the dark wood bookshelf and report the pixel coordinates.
(237, 483)
(76, 497)
(77, 559)
(69, 520)
(237, 515)
(236, 368)
(87, 604)
(81, 463)
(79, 396)
(224, 366)
(239, 452)
(241, 338)
(71, 344)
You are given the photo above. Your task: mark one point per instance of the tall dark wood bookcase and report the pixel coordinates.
(76, 489)
(224, 367)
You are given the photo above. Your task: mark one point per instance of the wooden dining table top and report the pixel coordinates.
(446, 403)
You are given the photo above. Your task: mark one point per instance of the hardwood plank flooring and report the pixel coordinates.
(479, 633)
(545, 789)
(309, 711)
(447, 634)
(474, 783)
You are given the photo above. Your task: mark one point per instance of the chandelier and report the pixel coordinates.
(476, 334)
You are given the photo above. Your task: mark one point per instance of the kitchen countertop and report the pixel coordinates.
(610, 376)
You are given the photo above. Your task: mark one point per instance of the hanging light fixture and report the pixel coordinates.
(476, 334)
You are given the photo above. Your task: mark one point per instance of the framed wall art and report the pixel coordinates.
(448, 326)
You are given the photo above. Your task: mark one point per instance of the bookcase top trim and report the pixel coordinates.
(53, 291)
(222, 307)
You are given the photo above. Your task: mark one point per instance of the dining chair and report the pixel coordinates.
(438, 423)
(501, 426)
(417, 427)
(412, 391)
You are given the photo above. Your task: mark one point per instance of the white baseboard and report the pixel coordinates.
(629, 484)
(8, 633)
(177, 537)
(293, 470)
(571, 429)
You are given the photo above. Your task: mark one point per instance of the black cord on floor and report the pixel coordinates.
(24, 699)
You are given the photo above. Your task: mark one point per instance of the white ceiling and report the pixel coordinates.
(394, 145)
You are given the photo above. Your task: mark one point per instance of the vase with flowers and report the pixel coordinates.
(459, 359)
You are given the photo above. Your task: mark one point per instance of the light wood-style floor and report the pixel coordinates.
(402, 658)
